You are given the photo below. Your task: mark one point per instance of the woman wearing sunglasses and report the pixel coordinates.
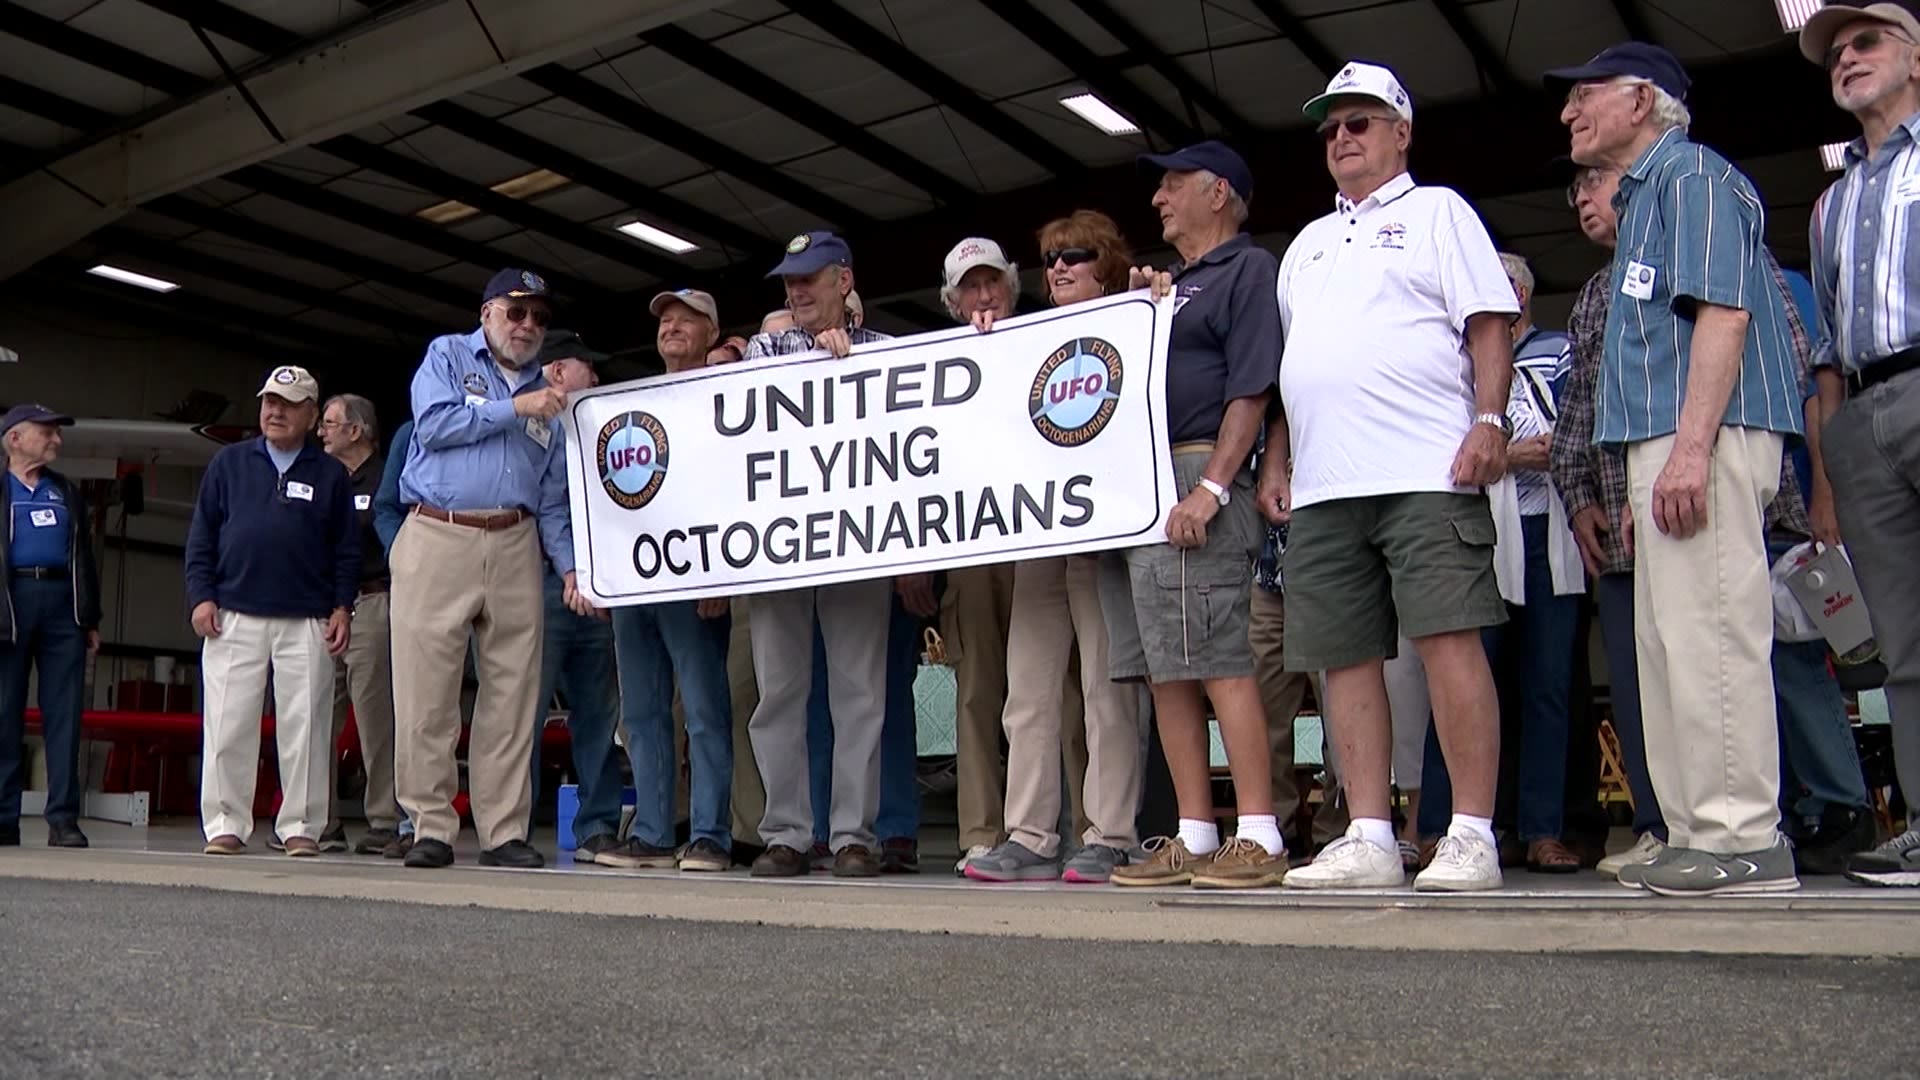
(1056, 604)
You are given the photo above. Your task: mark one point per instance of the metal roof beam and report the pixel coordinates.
(709, 59)
(96, 52)
(1493, 67)
(1633, 20)
(1294, 28)
(1169, 68)
(1097, 72)
(944, 89)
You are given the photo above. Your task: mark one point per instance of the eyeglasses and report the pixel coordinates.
(1863, 42)
(1587, 180)
(1355, 125)
(1577, 97)
(1072, 256)
(520, 313)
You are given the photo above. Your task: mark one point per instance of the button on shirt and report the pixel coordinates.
(1863, 235)
(1541, 361)
(471, 453)
(1225, 341)
(1691, 229)
(40, 530)
(1376, 378)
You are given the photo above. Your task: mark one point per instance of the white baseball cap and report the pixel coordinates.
(1362, 80)
(971, 252)
(295, 384)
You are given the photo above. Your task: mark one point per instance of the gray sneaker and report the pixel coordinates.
(1633, 875)
(1703, 873)
(1012, 861)
(1093, 865)
(1896, 862)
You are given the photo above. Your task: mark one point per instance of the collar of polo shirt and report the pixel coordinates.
(1381, 196)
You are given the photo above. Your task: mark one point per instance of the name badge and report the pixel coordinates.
(43, 519)
(1638, 282)
(363, 502)
(298, 490)
(538, 431)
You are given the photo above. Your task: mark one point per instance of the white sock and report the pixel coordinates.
(1262, 829)
(1378, 832)
(1201, 837)
(1480, 825)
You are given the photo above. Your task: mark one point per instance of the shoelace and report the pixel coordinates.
(1237, 848)
(1176, 851)
(1904, 842)
(1451, 849)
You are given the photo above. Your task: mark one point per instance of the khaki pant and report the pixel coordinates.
(365, 676)
(976, 610)
(1703, 636)
(448, 581)
(749, 797)
(1056, 602)
(233, 672)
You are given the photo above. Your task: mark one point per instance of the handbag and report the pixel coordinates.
(936, 696)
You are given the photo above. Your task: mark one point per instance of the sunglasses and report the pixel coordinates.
(1863, 42)
(520, 313)
(1072, 256)
(1355, 125)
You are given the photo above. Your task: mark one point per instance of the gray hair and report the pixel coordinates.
(1667, 110)
(1237, 207)
(357, 411)
(950, 294)
(1517, 270)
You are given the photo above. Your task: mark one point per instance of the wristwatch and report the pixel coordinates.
(1498, 420)
(1218, 492)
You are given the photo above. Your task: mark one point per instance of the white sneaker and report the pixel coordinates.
(1644, 850)
(972, 853)
(1350, 863)
(1464, 862)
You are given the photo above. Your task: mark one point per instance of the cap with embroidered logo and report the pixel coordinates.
(32, 414)
(516, 284)
(971, 252)
(693, 298)
(1211, 156)
(811, 252)
(1360, 79)
(567, 345)
(295, 384)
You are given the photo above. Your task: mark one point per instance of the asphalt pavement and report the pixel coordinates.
(123, 980)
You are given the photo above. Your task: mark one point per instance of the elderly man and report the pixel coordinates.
(350, 434)
(1869, 424)
(1190, 596)
(50, 622)
(681, 642)
(1698, 388)
(1538, 568)
(979, 286)
(818, 273)
(273, 567)
(1394, 394)
(484, 464)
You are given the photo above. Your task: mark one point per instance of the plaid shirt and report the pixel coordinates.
(796, 340)
(1587, 475)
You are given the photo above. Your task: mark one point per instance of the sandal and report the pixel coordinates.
(1550, 856)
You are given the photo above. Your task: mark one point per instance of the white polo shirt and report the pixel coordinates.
(1375, 376)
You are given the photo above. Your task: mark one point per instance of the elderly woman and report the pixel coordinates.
(1056, 603)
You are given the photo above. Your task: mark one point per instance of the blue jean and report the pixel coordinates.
(899, 817)
(656, 644)
(1542, 631)
(1819, 762)
(1613, 597)
(45, 636)
(577, 658)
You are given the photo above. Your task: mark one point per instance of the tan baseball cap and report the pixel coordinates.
(1816, 37)
(296, 384)
(693, 298)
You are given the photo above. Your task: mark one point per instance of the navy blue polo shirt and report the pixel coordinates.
(1225, 343)
(274, 544)
(40, 531)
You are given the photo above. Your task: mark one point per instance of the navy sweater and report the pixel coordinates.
(261, 547)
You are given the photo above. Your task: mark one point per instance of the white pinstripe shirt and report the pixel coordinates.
(1866, 265)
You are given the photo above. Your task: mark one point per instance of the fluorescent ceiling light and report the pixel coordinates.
(1795, 13)
(130, 278)
(524, 186)
(659, 238)
(1090, 108)
(1834, 156)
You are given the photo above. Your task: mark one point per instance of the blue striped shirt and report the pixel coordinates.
(1691, 229)
(470, 452)
(1865, 261)
(1541, 361)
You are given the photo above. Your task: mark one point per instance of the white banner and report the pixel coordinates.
(1047, 436)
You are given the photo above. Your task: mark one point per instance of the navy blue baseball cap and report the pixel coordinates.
(810, 252)
(567, 345)
(1635, 59)
(1215, 157)
(516, 284)
(32, 414)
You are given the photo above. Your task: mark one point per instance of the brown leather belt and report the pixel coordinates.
(378, 585)
(1200, 447)
(490, 522)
